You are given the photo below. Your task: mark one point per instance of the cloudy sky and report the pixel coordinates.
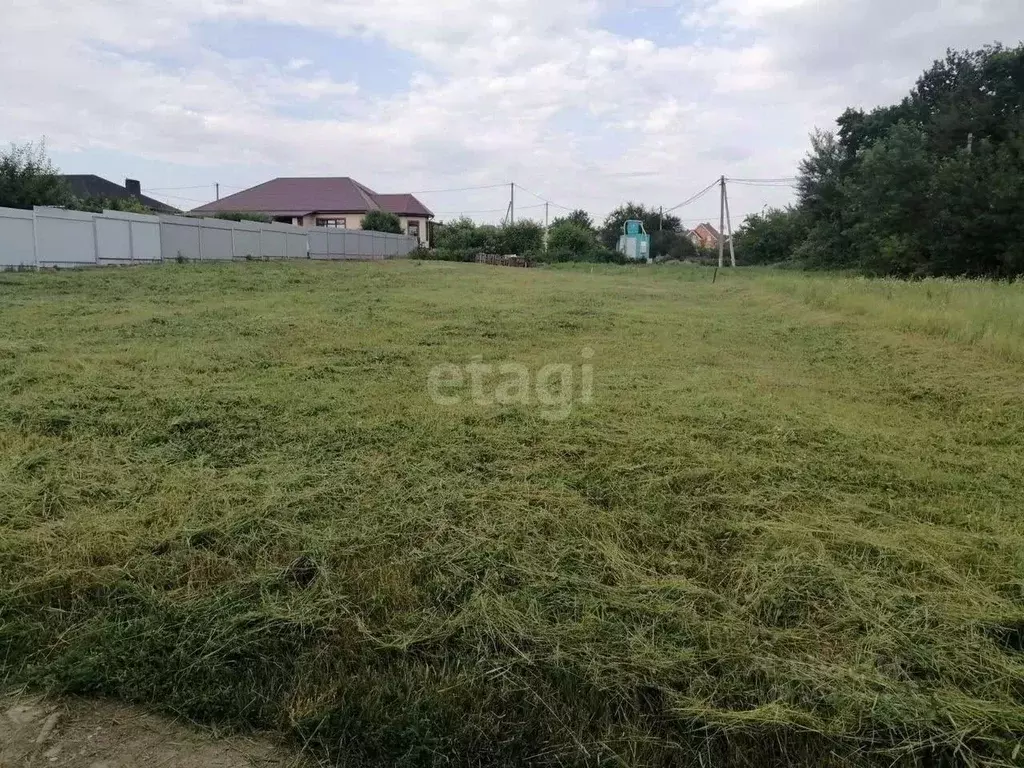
(586, 102)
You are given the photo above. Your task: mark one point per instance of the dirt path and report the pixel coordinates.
(70, 732)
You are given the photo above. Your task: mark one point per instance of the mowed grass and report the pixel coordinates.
(787, 530)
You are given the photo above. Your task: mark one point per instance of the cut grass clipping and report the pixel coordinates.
(787, 529)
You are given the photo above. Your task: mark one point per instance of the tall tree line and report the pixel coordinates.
(933, 185)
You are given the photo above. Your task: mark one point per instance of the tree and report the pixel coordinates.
(929, 186)
(770, 237)
(569, 240)
(382, 221)
(579, 216)
(521, 238)
(29, 178)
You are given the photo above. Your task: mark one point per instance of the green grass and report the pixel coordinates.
(788, 529)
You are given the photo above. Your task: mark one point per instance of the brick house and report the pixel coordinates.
(705, 236)
(324, 201)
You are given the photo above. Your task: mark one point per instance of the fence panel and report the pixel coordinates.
(216, 240)
(17, 238)
(127, 238)
(246, 240)
(319, 240)
(113, 240)
(65, 238)
(145, 238)
(179, 238)
(297, 245)
(275, 243)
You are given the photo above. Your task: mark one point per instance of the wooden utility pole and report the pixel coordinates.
(728, 224)
(512, 203)
(721, 224)
(217, 185)
(661, 218)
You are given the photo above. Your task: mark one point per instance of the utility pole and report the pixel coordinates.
(546, 204)
(721, 225)
(728, 223)
(512, 203)
(970, 142)
(661, 217)
(217, 185)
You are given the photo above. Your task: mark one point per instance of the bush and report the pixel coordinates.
(521, 238)
(463, 235)
(239, 216)
(29, 178)
(770, 237)
(568, 237)
(382, 221)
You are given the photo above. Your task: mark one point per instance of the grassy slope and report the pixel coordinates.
(787, 530)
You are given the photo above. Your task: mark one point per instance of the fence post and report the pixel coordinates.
(35, 239)
(95, 243)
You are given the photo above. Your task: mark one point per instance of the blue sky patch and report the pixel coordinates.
(376, 67)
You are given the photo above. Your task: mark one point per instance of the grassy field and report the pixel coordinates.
(787, 529)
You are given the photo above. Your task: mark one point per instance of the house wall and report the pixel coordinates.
(352, 220)
(355, 221)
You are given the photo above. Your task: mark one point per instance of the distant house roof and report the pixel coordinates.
(709, 229)
(298, 196)
(90, 185)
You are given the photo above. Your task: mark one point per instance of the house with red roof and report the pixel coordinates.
(323, 201)
(705, 236)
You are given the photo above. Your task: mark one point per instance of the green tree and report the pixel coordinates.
(382, 221)
(521, 238)
(29, 178)
(770, 237)
(569, 240)
(579, 216)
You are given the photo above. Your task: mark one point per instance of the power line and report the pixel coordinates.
(696, 197)
(456, 189)
(490, 210)
(177, 197)
(174, 189)
(541, 197)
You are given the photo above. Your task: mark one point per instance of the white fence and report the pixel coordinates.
(54, 237)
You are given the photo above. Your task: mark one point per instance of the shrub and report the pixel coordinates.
(29, 178)
(382, 221)
(240, 216)
(568, 237)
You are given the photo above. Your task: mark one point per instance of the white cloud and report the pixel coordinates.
(530, 90)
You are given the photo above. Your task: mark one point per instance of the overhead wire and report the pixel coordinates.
(541, 197)
(457, 189)
(694, 198)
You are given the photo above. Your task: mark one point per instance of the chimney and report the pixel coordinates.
(134, 187)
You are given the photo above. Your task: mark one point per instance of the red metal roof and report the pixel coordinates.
(297, 196)
(406, 205)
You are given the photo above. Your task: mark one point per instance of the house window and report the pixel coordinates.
(336, 223)
(413, 228)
